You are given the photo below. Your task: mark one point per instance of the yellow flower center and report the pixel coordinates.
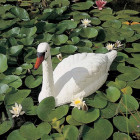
(77, 102)
(15, 109)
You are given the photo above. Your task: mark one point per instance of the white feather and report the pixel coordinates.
(79, 75)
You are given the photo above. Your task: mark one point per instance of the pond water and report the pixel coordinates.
(125, 4)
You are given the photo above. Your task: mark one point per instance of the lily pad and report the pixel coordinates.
(85, 117)
(20, 13)
(5, 126)
(113, 94)
(88, 32)
(12, 80)
(45, 108)
(59, 39)
(103, 125)
(3, 63)
(68, 49)
(33, 82)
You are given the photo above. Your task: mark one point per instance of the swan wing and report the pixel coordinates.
(76, 72)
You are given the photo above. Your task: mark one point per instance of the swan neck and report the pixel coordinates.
(48, 83)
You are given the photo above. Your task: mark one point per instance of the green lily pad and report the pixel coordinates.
(32, 82)
(70, 24)
(82, 5)
(15, 50)
(13, 96)
(113, 94)
(88, 32)
(85, 117)
(15, 135)
(128, 103)
(109, 111)
(28, 31)
(99, 101)
(20, 13)
(127, 90)
(103, 125)
(29, 131)
(85, 49)
(121, 123)
(45, 108)
(68, 49)
(121, 136)
(58, 113)
(70, 132)
(59, 39)
(6, 24)
(112, 23)
(135, 84)
(43, 128)
(129, 73)
(118, 83)
(72, 121)
(3, 63)
(129, 12)
(3, 88)
(5, 126)
(12, 80)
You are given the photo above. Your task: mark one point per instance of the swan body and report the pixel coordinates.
(76, 76)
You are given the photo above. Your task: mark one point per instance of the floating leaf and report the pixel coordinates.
(12, 80)
(127, 90)
(45, 108)
(68, 49)
(99, 101)
(5, 126)
(88, 32)
(113, 94)
(128, 103)
(29, 131)
(59, 39)
(33, 82)
(82, 5)
(121, 123)
(3, 63)
(71, 121)
(6, 24)
(109, 111)
(43, 128)
(135, 84)
(20, 13)
(70, 132)
(129, 12)
(103, 125)
(85, 117)
(16, 96)
(118, 83)
(15, 135)
(15, 50)
(121, 136)
(129, 73)
(58, 113)
(3, 88)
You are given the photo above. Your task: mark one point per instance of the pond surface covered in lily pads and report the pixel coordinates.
(69, 27)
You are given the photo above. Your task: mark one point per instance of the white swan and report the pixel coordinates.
(76, 76)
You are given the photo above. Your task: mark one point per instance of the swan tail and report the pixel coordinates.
(111, 56)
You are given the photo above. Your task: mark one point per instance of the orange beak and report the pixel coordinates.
(39, 60)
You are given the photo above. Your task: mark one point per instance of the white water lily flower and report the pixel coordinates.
(118, 44)
(59, 56)
(79, 103)
(17, 110)
(86, 22)
(110, 46)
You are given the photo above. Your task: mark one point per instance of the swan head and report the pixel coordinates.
(43, 51)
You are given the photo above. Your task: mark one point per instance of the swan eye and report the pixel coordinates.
(39, 54)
